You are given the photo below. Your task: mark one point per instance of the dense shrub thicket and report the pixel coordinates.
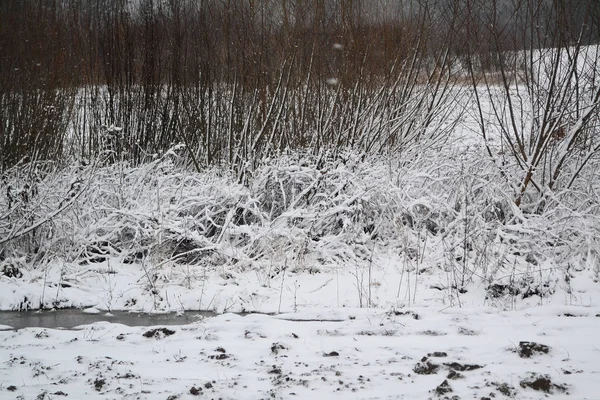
(447, 214)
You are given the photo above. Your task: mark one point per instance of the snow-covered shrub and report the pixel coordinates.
(445, 214)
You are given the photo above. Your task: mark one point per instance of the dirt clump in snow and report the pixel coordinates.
(99, 384)
(569, 315)
(437, 354)
(195, 391)
(462, 367)
(275, 370)
(443, 388)
(407, 313)
(158, 333)
(426, 367)
(542, 383)
(528, 349)
(277, 347)
(466, 331)
(221, 354)
(504, 388)
(453, 375)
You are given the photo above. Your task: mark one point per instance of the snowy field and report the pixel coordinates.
(480, 344)
(470, 353)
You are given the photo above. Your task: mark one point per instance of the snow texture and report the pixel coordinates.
(416, 353)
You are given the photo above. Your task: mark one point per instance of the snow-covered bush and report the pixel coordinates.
(444, 213)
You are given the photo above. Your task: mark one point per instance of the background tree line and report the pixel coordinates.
(237, 80)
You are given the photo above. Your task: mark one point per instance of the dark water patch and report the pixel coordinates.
(70, 318)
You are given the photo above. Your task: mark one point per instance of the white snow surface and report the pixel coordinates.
(345, 354)
(385, 284)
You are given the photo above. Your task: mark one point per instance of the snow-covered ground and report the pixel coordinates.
(418, 353)
(423, 339)
(384, 283)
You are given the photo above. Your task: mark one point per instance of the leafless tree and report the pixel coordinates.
(540, 93)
